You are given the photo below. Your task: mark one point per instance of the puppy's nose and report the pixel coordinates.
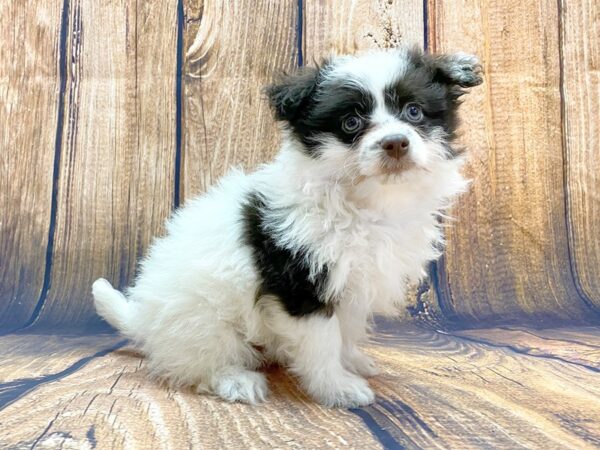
(396, 146)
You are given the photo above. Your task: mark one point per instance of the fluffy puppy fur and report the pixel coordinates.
(289, 263)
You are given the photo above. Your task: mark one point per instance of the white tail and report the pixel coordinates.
(111, 305)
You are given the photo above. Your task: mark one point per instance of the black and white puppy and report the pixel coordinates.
(295, 258)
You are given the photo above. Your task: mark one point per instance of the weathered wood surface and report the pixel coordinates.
(232, 51)
(115, 182)
(545, 344)
(30, 107)
(35, 356)
(142, 105)
(348, 26)
(508, 254)
(581, 114)
(436, 390)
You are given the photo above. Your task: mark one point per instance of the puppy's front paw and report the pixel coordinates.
(241, 385)
(361, 364)
(350, 391)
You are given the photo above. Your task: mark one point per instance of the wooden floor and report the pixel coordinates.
(492, 388)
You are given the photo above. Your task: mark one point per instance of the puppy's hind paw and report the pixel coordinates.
(241, 385)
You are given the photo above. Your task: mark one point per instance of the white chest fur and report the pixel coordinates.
(372, 235)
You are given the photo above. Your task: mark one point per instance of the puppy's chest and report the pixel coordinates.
(378, 256)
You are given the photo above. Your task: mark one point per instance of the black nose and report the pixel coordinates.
(396, 146)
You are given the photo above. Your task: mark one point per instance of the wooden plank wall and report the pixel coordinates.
(509, 252)
(114, 113)
(30, 112)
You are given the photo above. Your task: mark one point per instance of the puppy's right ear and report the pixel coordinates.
(460, 69)
(292, 93)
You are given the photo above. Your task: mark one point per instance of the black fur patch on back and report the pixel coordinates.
(284, 273)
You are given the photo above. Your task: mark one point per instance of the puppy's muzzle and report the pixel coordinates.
(395, 146)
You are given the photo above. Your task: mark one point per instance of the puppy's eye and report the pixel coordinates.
(413, 112)
(351, 124)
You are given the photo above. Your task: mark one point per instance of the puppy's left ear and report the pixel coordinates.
(292, 93)
(459, 69)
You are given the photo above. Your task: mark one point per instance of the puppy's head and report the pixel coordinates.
(383, 112)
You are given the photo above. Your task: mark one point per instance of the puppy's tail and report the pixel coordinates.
(112, 305)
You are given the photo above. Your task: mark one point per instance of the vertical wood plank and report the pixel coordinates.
(347, 26)
(233, 49)
(29, 113)
(507, 255)
(581, 96)
(116, 175)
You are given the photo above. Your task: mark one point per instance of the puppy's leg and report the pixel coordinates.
(204, 350)
(313, 347)
(353, 318)
(233, 377)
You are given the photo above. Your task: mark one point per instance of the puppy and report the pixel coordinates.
(295, 258)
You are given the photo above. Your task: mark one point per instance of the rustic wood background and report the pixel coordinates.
(115, 112)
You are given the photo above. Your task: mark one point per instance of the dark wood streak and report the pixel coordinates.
(13, 390)
(91, 436)
(523, 351)
(45, 431)
(579, 25)
(116, 166)
(30, 95)
(572, 264)
(178, 104)
(538, 335)
(507, 250)
(62, 56)
(380, 427)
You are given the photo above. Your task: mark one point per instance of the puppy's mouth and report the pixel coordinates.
(390, 165)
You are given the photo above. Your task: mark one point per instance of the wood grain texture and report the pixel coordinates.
(29, 110)
(507, 255)
(347, 26)
(565, 334)
(581, 348)
(116, 179)
(444, 391)
(436, 390)
(111, 403)
(581, 115)
(232, 50)
(32, 361)
(34, 356)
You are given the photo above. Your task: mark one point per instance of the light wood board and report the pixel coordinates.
(115, 183)
(478, 389)
(507, 257)
(30, 104)
(581, 115)
(348, 26)
(232, 51)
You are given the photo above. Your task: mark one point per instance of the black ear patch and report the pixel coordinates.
(292, 93)
(459, 69)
